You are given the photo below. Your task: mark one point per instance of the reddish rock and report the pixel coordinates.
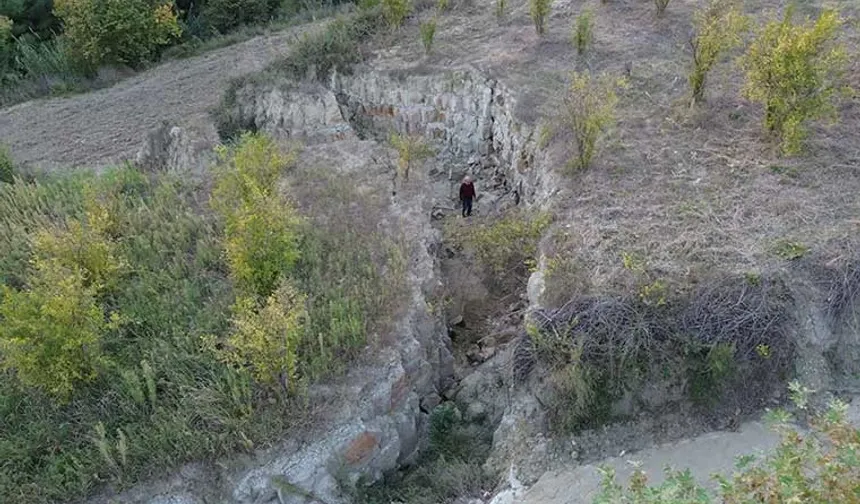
(361, 448)
(399, 391)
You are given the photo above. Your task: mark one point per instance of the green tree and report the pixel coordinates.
(116, 31)
(718, 28)
(428, 32)
(795, 71)
(7, 49)
(51, 332)
(261, 228)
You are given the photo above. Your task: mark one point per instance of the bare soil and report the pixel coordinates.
(108, 126)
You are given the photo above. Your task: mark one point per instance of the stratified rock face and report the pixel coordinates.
(468, 117)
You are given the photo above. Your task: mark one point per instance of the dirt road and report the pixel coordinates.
(109, 125)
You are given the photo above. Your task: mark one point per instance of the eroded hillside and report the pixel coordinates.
(673, 287)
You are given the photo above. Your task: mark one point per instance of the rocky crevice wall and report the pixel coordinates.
(467, 116)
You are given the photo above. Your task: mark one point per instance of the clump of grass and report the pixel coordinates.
(539, 11)
(428, 32)
(790, 250)
(7, 166)
(501, 6)
(583, 32)
(395, 12)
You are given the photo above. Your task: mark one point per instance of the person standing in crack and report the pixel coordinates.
(467, 194)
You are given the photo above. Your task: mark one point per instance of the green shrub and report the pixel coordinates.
(428, 32)
(395, 12)
(817, 467)
(661, 6)
(52, 331)
(718, 28)
(261, 238)
(539, 11)
(7, 166)
(583, 32)
(794, 71)
(226, 15)
(588, 112)
(116, 31)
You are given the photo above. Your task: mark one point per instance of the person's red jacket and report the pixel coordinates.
(467, 191)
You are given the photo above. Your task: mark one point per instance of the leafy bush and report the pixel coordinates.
(718, 29)
(260, 226)
(539, 11)
(116, 31)
(661, 6)
(794, 71)
(588, 111)
(52, 331)
(817, 467)
(7, 166)
(395, 12)
(583, 31)
(226, 15)
(428, 32)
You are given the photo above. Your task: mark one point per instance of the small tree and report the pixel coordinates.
(411, 149)
(51, 333)
(428, 32)
(501, 5)
(718, 29)
(7, 49)
(795, 71)
(395, 12)
(266, 337)
(539, 11)
(116, 31)
(261, 228)
(583, 32)
(661, 6)
(588, 112)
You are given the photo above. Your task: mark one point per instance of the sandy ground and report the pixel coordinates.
(109, 125)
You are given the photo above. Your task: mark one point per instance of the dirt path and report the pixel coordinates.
(108, 126)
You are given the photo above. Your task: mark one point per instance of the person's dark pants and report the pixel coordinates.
(467, 207)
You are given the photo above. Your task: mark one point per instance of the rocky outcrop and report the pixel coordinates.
(467, 116)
